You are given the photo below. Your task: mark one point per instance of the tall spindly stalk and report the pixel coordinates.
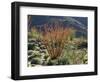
(54, 38)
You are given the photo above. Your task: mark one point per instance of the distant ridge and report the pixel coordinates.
(78, 23)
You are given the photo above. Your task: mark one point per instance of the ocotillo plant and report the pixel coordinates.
(54, 38)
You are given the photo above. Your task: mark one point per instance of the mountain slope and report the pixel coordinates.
(78, 23)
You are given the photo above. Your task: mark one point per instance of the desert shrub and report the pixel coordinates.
(54, 38)
(33, 33)
(31, 46)
(85, 61)
(75, 55)
(56, 45)
(63, 61)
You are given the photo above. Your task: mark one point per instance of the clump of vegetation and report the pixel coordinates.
(33, 33)
(56, 45)
(54, 38)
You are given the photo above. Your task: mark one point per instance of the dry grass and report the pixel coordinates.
(33, 33)
(54, 38)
